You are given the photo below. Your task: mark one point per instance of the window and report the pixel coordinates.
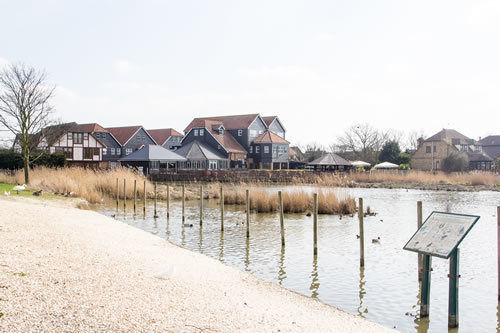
(87, 153)
(253, 133)
(195, 132)
(118, 151)
(113, 165)
(281, 134)
(218, 147)
(266, 149)
(113, 151)
(251, 149)
(240, 132)
(128, 151)
(70, 136)
(68, 152)
(85, 136)
(78, 138)
(260, 132)
(202, 132)
(155, 165)
(104, 151)
(257, 148)
(427, 149)
(221, 130)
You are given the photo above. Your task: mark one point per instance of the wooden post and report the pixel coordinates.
(135, 194)
(201, 204)
(498, 249)
(124, 190)
(168, 201)
(248, 212)
(282, 222)
(426, 286)
(183, 202)
(156, 198)
(315, 224)
(117, 193)
(144, 208)
(453, 289)
(361, 234)
(221, 208)
(419, 224)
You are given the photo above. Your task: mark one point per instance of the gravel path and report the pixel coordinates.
(65, 269)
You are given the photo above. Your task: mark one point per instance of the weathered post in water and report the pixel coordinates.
(498, 249)
(156, 199)
(183, 203)
(135, 194)
(168, 201)
(221, 208)
(282, 222)
(248, 213)
(117, 193)
(453, 290)
(201, 204)
(361, 234)
(425, 293)
(419, 224)
(124, 193)
(315, 224)
(144, 208)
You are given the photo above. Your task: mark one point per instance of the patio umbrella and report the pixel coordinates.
(360, 164)
(386, 165)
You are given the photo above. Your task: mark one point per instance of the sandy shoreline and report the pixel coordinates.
(65, 269)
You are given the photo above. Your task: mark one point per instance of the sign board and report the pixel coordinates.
(441, 233)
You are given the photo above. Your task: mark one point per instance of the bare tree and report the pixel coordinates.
(414, 140)
(24, 106)
(363, 141)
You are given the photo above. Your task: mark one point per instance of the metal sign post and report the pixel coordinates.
(440, 236)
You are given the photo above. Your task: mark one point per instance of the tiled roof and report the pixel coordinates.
(123, 134)
(230, 122)
(330, 159)
(161, 135)
(479, 157)
(448, 135)
(93, 127)
(492, 140)
(153, 153)
(228, 142)
(269, 137)
(269, 120)
(198, 151)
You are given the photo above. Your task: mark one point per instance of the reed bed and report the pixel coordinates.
(263, 201)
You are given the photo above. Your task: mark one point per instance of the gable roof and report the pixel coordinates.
(269, 137)
(161, 135)
(93, 127)
(330, 159)
(228, 142)
(198, 151)
(153, 153)
(491, 140)
(229, 122)
(123, 134)
(448, 135)
(268, 120)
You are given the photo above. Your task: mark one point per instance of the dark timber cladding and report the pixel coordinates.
(153, 159)
(269, 151)
(330, 161)
(167, 137)
(201, 157)
(131, 138)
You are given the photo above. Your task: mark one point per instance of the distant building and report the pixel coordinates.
(330, 162)
(166, 137)
(491, 146)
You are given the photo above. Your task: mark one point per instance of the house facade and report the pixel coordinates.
(431, 153)
(130, 138)
(491, 146)
(112, 152)
(166, 137)
(269, 151)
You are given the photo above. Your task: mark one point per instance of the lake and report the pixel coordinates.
(386, 290)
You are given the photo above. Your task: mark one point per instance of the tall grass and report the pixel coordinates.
(263, 201)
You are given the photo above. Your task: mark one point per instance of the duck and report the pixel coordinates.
(37, 193)
(376, 240)
(188, 225)
(6, 193)
(18, 188)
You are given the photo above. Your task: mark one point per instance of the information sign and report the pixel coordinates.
(441, 233)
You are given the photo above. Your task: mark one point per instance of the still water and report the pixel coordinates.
(386, 290)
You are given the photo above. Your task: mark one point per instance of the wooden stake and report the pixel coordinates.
(425, 294)
(144, 208)
(117, 193)
(453, 289)
(168, 201)
(361, 234)
(221, 208)
(248, 212)
(124, 190)
(282, 222)
(419, 224)
(135, 194)
(315, 224)
(201, 204)
(156, 198)
(183, 202)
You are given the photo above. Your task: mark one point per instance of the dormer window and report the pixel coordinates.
(195, 132)
(202, 132)
(221, 130)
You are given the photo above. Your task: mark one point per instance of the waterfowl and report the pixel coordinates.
(18, 188)
(376, 240)
(6, 193)
(37, 193)
(188, 225)
(358, 236)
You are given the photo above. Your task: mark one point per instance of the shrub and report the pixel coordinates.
(10, 160)
(456, 162)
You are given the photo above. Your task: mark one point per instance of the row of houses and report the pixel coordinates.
(240, 141)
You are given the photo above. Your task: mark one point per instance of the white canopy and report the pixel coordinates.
(386, 165)
(360, 163)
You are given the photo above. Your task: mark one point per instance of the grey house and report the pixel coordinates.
(275, 125)
(153, 159)
(131, 138)
(201, 157)
(269, 151)
(112, 152)
(166, 137)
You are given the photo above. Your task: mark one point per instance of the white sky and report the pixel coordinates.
(320, 66)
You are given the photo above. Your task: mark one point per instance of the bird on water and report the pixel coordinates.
(18, 188)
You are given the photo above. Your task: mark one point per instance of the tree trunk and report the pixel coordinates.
(26, 159)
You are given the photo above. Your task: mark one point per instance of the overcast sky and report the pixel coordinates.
(320, 66)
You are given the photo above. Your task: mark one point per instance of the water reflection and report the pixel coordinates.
(200, 243)
(247, 255)
(282, 272)
(221, 247)
(183, 235)
(168, 228)
(315, 279)
(362, 292)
